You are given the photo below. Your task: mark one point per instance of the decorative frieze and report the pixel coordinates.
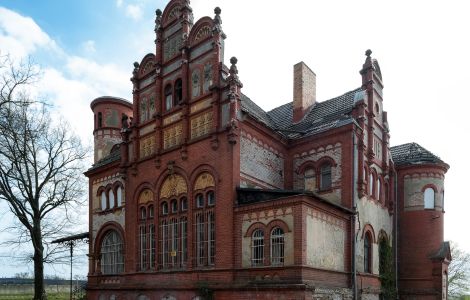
(172, 136)
(147, 146)
(201, 124)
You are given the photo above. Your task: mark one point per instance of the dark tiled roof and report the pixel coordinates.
(323, 116)
(112, 157)
(443, 252)
(412, 153)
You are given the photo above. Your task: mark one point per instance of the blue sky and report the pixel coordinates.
(86, 50)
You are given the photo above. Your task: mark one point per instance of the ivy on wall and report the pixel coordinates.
(387, 274)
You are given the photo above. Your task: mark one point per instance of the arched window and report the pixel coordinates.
(325, 176)
(151, 212)
(143, 248)
(429, 198)
(204, 220)
(199, 200)
(257, 248)
(378, 191)
(277, 247)
(164, 208)
(178, 91)
(210, 198)
(143, 213)
(112, 260)
(111, 198)
(371, 184)
(168, 97)
(119, 196)
(100, 120)
(104, 201)
(367, 253)
(309, 179)
(174, 206)
(184, 204)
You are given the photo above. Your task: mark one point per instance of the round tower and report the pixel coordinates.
(111, 114)
(423, 256)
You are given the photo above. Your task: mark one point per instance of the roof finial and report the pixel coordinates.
(158, 20)
(218, 22)
(233, 67)
(368, 52)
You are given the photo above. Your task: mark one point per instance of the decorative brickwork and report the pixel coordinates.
(147, 146)
(201, 124)
(172, 136)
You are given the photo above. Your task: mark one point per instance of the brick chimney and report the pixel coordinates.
(305, 83)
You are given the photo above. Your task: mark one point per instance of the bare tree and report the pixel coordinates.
(459, 272)
(14, 77)
(40, 171)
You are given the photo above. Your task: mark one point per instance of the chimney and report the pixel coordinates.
(305, 95)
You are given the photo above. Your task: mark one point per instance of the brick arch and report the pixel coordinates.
(201, 169)
(430, 185)
(383, 235)
(368, 228)
(277, 223)
(140, 188)
(201, 24)
(305, 165)
(117, 184)
(100, 190)
(325, 159)
(108, 226)
(253, 227)
(170, 10)
(147, 64)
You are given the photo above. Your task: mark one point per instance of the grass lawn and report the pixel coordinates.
(50, 296)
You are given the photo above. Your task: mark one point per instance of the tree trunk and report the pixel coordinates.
(39, 291)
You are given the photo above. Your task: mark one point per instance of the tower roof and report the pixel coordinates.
(412, 154)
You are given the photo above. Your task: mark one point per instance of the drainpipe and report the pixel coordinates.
(353, 218)
(395, 180)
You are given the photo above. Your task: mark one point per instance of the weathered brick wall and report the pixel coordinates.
(264, 217)
(260, 164)
(326, 239)
(414, 185)
(314, 155)
(98, 219)
(376, 215)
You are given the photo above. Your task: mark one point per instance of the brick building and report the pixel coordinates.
(197, 192)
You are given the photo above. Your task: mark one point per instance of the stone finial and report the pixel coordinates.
(368, 52)
(218, 22)
(136, 65)
(158, 20)
(217, 18)
(233, 67)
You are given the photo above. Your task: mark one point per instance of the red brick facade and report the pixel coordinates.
(197, 193)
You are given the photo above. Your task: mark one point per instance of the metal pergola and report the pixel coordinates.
(71, 241)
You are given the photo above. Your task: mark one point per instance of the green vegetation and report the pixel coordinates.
(387, 275)
(50, 296)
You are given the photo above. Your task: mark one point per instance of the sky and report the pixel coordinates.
(86, 49)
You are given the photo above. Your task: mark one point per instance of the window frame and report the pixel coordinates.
(257, 248)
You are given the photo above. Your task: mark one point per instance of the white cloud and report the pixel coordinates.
(134, 11)
(71, 88)
(89, 46)
(119, 3)
(21, 36)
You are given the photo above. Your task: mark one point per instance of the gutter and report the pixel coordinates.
(353, 217)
